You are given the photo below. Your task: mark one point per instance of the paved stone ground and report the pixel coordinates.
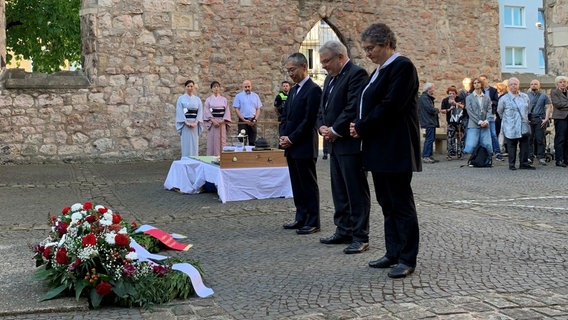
(493, 246)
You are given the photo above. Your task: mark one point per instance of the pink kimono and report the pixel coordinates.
(216, 107)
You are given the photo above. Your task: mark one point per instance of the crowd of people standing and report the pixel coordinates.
(499, 119)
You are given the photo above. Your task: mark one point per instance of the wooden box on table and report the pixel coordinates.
(253, 159)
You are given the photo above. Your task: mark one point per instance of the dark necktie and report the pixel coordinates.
(328, 90)
(293, 92)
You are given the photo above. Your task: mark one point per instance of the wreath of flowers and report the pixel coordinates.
(88, 253)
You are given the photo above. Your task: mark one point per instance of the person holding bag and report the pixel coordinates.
(514, 111)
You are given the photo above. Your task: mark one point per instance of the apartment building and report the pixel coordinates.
(521, 30)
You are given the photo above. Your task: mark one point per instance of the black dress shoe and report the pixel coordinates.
(527, 167)
(383, 262)
(336, 239)
(307, 230)
(293, 225)
(561, 164)
(356, 247)
(400, 271)
(512, 168)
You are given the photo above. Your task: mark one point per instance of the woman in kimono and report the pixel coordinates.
(217, 117)
(189, 120)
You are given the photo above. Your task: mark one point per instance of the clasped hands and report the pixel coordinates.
(327, 133)
(284, 142)
(191, 124)
(352, 130)
(250, 123)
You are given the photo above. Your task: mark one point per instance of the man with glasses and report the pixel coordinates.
(299, 139)
(349, 186)
(247, 107)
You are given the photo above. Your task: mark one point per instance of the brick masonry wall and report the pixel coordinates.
(138, 53)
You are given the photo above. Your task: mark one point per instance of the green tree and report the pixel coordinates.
(48, 32)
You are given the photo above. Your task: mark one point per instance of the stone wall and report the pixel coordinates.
(138, 53)
(556, 36)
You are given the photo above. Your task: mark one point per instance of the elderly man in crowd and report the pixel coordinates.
(513, 108)
(428, 120)
(559, 99)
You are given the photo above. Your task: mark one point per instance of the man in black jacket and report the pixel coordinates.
(349, 186)
(299, 139)
(428, 120)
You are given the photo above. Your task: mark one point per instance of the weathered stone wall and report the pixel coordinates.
(138, 53)
(557, 36)
(2, 33)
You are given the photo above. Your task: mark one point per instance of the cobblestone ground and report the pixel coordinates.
(493, 246)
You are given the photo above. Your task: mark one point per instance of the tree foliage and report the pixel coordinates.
(48, 32)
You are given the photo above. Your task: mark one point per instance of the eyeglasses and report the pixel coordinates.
(292, 70)
(328, 60)
(369, 49)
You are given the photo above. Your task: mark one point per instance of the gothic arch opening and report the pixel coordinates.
(321, 32)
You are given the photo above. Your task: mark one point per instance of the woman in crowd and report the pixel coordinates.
(513, 108)
(217, 117)
(559, 101)
(455, 132)
(501, 91)
(478, 107)
(189, 118)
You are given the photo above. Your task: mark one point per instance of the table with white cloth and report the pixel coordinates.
(188, 175)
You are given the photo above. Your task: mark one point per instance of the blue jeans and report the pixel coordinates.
(429, 138)
(494, 139)
(476, 136)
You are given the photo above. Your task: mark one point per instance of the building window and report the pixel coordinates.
(540, 19)
(541, 57)
(514, 57)
(310, 58)
(514, 16)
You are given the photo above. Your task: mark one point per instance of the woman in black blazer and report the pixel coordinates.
(388, 127)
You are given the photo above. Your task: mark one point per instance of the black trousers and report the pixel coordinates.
(523, 153)
(250, 132)
(402, 235)
(304, 181)
(537, 141)
(560, 140)
(351, 196)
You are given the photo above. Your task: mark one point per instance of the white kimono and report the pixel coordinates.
(189, 108)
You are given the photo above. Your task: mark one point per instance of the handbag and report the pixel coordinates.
(525, 126)
(525, 129)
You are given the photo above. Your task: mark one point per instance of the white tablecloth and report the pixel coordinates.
(189, 175)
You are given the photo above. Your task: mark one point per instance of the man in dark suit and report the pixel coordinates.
(299, 139)
(349, 186)
(389, 129)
